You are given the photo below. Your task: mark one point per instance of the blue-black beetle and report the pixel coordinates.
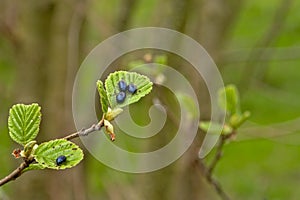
(122, 85)
(121, 97)
(132, 88)
(60, 160)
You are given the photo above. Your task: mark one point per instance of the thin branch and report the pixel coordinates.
(208, 170)
(9, 33)
(15, 174)
(217, 157)
(270, 36)
(83, 132)
(272, 54)
(212, 181)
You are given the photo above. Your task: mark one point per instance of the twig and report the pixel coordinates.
(208, 170)
(15, 174)
(270, 36)
(85, 132)
(8, 31)
(217, 157)
(18, 172)
(219, 151)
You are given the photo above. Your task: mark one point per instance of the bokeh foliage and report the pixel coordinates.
(263, 64)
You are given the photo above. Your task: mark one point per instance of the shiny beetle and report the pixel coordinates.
(60, 160)
(121, 97)
(132, 88)
(122, 85)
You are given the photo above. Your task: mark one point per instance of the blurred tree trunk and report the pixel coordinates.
(259, 51)
(47, 52)
(126, 12)
(179, 16)
(215, 20)
(42, 76)
(212, 19)
(182, 179)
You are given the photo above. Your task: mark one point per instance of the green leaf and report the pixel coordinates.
(103, 96)
(24, 122)
(135, 63)
(188, 104)
(229, 99)
(47, 153)
(237, 120)
(112, 114)
(143, 84)
(34, 166)
(28, 148)
(109, 130)
(214, 128)
(161, 59)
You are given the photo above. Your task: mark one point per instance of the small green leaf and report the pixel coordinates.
(28, 148)
(24, 122)
(237, 120)
(135, 63)
(109, 130)
(161, 59)
(189, 104)
(143, 84)
(103, 96)
(112, 114)
(229, 99)
(34, 166)
(215, 128)
(47, 153)
(204, 126)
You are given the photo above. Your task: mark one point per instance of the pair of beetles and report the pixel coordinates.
(121, 96)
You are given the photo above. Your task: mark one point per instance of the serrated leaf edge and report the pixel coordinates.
(36, 152)
(131, 76)
(18, 125)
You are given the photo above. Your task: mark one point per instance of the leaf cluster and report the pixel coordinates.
(108, 95)
(24, 124)
(229, 101)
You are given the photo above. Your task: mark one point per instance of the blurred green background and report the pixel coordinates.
(255, 44)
